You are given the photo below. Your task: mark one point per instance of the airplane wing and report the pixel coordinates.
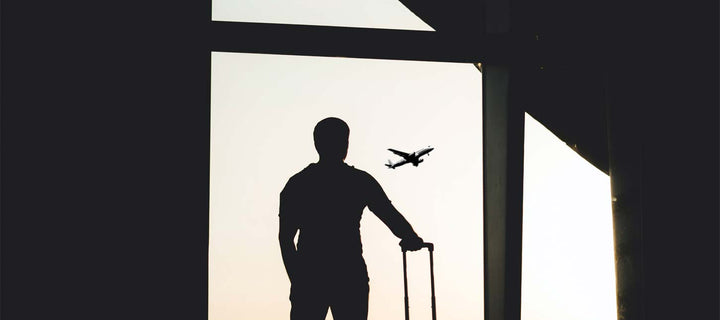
(400, 153)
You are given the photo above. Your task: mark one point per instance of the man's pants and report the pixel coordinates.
(348, 300)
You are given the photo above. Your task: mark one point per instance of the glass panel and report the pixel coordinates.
(568, 267)
(385, 14)
(263, 111)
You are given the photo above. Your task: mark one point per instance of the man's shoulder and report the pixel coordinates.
(302, 174)
(299, 178)
(362, 175)
(313, 171)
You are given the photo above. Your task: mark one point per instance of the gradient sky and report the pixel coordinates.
(263, 110)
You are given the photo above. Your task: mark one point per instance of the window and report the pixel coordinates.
(263, 110)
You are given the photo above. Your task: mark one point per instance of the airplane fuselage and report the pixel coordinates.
(413, 158)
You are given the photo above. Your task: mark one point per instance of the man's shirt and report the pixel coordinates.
(326, 202)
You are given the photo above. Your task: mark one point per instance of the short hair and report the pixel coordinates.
(331, 138)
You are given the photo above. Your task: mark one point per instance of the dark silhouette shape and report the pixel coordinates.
(324, 202)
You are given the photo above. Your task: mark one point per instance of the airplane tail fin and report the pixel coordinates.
(389, 164)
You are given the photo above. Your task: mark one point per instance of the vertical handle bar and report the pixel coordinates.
(430, 248)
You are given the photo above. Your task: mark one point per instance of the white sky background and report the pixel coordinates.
(568, 259)
(385, 14)
(263, 110)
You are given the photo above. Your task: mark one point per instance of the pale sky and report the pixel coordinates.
(385, 14)
(263, 110)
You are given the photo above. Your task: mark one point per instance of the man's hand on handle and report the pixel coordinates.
(412, 244)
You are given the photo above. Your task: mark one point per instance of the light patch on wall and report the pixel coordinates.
(568, 260)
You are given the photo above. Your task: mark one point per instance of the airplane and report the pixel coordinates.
(413, 158)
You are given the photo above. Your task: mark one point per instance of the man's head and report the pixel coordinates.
(331, 139)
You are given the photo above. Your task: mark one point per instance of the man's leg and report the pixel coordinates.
(351, 302)
(308, 304)
(308, 310)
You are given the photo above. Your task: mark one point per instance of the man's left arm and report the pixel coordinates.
(380, 205)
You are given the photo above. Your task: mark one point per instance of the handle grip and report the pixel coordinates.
(427, 245)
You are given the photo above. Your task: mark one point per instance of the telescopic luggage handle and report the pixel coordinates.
(430, 248)
(428, 245)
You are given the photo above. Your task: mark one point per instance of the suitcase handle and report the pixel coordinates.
(429, 245)
(430, 248)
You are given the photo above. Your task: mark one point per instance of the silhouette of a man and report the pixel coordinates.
(325, 201)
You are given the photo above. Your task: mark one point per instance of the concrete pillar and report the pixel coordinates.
(503, 133)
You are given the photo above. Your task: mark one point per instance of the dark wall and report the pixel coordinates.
(662, 120)
(105, 141)
(635, 85)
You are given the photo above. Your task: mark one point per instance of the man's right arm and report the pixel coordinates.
(286, 235)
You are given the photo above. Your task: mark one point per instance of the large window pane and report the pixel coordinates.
(263, 111)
